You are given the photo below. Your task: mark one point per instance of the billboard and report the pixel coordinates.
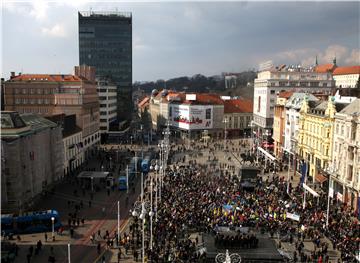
(191, 117)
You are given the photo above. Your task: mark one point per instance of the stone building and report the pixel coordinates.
(52, 94)
(32, 159)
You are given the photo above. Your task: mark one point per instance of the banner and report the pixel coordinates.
(303, 172)
(331, 192)
(310, 190)
(191, 117)
(292, 216)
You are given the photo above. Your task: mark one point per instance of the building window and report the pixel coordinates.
(17, 101)
(16, 91)
(272, 91)
(39, 91)
(40, 101)
(208, 114)
(23, 91)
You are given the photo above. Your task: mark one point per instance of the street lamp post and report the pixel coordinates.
(52, 228)
(225, 121)
(118, 223)
(305, 180)
(127, 179)
(140, 209)
(142, 152)
(69, 261)
(151, 213)
(330, 171)
(92, 184)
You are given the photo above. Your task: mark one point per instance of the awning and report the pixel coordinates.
(320, 178)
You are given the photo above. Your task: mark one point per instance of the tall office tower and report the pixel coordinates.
(105, 42)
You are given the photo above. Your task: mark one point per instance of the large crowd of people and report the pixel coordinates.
(197, 198)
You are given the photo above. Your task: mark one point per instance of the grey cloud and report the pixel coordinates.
(172, 39)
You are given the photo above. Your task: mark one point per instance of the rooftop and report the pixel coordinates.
(296, 100)
(36, 122)
(324, 68)
(347, 70)
(238, 106)
(14, 125)
(285, 94)
(46, 78)
(352, 108)
(105, 14)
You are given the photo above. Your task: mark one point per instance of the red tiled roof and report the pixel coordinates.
(47, 77)
(143, 102)
(285, 94)
(324, 68)
(347, 70)
(201, 98)
(238, 106)
(205, 99)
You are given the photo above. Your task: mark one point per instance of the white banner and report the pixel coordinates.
(292, 216)
(331, 192)
(310, 190)
(191, 116)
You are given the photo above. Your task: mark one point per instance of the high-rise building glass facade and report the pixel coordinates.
(105, 42)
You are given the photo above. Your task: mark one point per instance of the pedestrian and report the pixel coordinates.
(46, 237)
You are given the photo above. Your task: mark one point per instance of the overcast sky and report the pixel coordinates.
(177, 39)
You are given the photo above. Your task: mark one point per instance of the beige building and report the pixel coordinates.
(346, 77)
(32, 158)
(346, 155)
(47, 95)
(188, 114)
(315, 137)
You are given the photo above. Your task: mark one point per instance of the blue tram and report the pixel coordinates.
(32, 222)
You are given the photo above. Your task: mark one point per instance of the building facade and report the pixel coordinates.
(105, 42)
(279, 123)
(72, 142)
(107, 92)
(48, 95)
(193, 115)
(269, 82)
(315, 137)
(292, 115)
(237, 117)
(346, 155)
(33, 158)
(347, 77)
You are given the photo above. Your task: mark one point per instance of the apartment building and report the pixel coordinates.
(284, 78)
(315, 137)
(52, 94)
(345, 172)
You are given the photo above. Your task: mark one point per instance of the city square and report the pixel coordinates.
(136, 156)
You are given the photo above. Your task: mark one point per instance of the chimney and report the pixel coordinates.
(12, 74)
